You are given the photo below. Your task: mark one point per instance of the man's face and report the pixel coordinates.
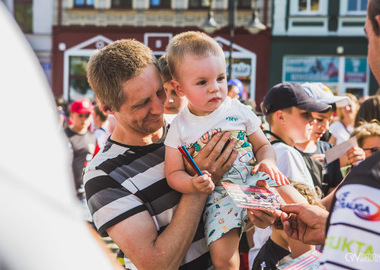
(373, 48)
(142, 111)
(299, 124)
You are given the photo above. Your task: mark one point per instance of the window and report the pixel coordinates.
(357, 6)
(199, 4)
(84, 3)
(124, 4)
(160, 3)
(23, 13)
(309, 6)
(78, 85)
(244, 4)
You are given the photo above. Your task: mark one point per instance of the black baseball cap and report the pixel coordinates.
(287, 94)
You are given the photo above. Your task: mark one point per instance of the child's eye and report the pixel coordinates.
(201, 83)
(221, 78)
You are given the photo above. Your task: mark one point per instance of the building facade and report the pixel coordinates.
(35, 18)
(83, 26)
(321, 41)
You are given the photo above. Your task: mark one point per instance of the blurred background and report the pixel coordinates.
(267, 41)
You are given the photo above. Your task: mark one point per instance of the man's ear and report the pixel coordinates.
(106, 109)
(175, 84)
(377, 18)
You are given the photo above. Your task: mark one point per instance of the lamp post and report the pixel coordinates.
(255, 26)
(210, 24)
(232, 5)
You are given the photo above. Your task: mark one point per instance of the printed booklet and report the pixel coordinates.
(254, 197)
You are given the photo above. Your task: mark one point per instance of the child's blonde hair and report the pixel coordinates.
(313, 198)
(194, 43)
(365, 130)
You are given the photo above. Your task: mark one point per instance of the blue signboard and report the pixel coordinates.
(355, 70)
(311, 69)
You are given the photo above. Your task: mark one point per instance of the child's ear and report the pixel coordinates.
(280, 116)
(106, 109)
(175, 84)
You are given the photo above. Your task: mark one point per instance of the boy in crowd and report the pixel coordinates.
(82, 141)
(173, 103)
(101, 132)
(287, 108)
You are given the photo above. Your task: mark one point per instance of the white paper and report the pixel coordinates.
(339, 150)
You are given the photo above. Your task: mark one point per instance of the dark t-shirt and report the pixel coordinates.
(83, 147)
(353, 226)
(271, 254)
(331, 174)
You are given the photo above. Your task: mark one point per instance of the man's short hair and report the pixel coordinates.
(373, 11)
(115, 64)
(165, 72)
(194, 43)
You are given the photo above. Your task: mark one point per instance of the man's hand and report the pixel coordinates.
(203, 183)
(211, 157)
(304, 222)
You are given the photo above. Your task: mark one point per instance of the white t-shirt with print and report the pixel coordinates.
(187, 128)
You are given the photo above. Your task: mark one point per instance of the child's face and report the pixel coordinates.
(299, 124)
(80, 121)
(173, 103)
(321, 125)
(203, 81)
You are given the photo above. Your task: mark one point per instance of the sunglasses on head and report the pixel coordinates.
(373, 149)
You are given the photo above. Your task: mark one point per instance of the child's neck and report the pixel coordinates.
(307, 147)
(282, 134)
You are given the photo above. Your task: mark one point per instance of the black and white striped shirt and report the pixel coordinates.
(122, 181)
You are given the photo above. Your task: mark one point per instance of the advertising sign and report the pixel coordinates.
(355, 70)
(311, 69)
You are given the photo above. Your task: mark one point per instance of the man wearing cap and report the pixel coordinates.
(82, 142)
(351, 232)
(287, 109)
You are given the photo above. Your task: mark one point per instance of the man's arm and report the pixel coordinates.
(137, 235)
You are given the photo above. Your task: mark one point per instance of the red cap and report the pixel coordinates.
(82, 105)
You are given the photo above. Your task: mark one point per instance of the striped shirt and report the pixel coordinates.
(353, 227)
(122, 181)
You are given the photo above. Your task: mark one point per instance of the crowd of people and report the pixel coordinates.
(136, 187)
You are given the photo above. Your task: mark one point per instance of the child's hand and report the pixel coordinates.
(271, 169)
(203, 183)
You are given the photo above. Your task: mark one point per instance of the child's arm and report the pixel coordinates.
(179, 179)
(265, 156)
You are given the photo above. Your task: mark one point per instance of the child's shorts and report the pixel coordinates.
(221, 215)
